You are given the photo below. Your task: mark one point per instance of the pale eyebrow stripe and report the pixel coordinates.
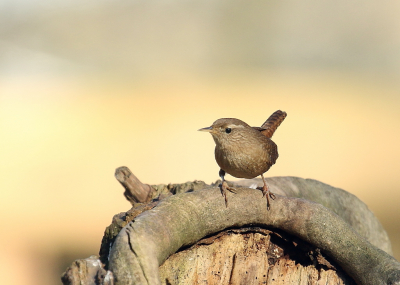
(234, 126)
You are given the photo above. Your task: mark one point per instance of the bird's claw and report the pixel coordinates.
(272, 195)
(267, 194)
(224, 186)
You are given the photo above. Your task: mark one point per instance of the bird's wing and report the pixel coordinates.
(273, 152)
(272, 123)
(259, 129)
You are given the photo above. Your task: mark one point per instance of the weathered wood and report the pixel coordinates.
(250, 257)
(119, 221)
(157, 232)
(181, 220)
(88, 271)
(135, 191)
(158, 192)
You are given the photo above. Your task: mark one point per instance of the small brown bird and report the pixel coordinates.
(244, 151)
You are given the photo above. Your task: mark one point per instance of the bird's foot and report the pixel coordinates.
(267, 194)
(224, 186)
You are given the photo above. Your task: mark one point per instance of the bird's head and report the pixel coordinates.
(227, 130)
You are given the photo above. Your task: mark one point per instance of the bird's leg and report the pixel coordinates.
(224, 186)
(266, 192)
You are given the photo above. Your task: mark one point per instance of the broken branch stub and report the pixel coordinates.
(181, 220)
(135, 191)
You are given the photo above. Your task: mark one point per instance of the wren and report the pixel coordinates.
(244, 151)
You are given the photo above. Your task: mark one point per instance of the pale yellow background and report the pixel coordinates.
(69, 117)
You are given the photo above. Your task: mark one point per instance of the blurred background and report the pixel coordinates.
(88, 86)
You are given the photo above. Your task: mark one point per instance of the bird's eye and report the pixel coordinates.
(228, 130)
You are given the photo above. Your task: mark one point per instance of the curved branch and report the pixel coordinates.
(183, 219)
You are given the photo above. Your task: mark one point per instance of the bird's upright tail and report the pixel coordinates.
(272, 123)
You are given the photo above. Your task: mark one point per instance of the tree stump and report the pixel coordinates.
(250, 256)
(313, 234)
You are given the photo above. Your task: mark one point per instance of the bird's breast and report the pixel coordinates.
(245, 159)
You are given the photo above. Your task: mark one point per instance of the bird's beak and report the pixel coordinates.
(209, 129)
